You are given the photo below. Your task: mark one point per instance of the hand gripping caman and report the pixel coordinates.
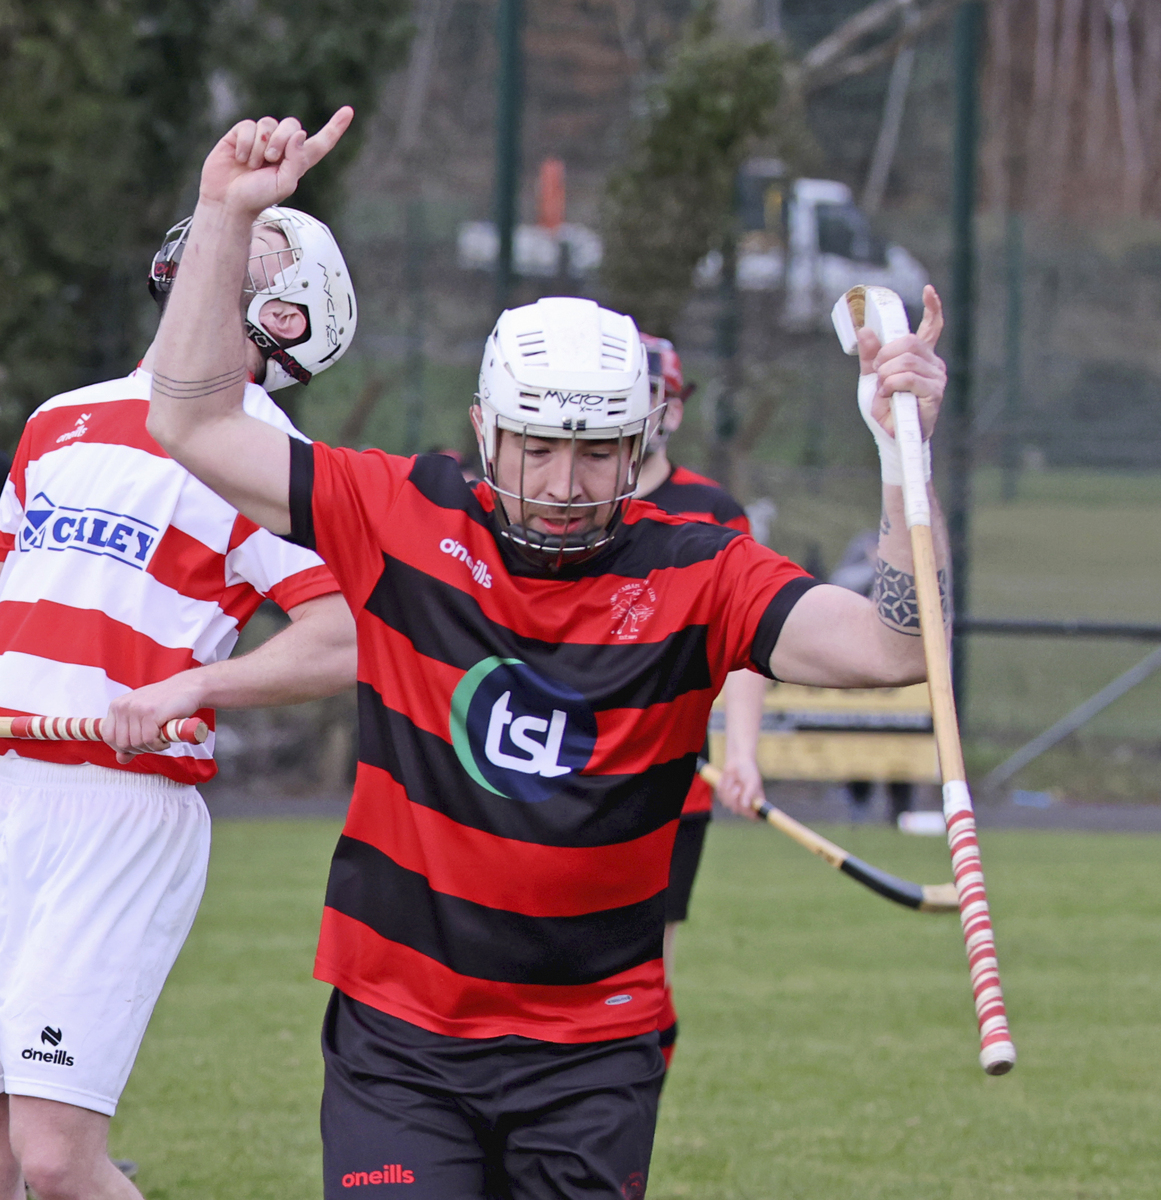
(88, 729)
(926, 897)
(880, 310)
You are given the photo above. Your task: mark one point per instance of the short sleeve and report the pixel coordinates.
(287, 574)
(340, 506)
(756, 589)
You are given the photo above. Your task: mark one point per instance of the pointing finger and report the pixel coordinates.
(932, 324)
(322, 143)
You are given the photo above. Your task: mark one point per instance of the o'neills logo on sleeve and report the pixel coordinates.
(476, 567)
(391, 1173)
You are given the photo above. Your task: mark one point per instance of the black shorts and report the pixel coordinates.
(508, 1118)
(687, 847)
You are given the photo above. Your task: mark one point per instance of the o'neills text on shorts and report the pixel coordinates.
(61, 1057)
(391, 1173)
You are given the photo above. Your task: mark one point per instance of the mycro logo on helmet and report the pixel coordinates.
(580, 399)
(332, 329)
(476, 568)
(516, 733)
(49, 526)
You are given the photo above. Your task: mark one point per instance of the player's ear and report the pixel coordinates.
(285, 321)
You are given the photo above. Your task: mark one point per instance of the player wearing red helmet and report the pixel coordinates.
(692, 497)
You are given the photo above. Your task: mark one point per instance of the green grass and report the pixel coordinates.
(828, 1043)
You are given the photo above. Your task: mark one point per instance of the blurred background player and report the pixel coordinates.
(124, 587)
(683, 493)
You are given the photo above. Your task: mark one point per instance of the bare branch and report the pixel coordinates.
(859, 64)
(868, 20)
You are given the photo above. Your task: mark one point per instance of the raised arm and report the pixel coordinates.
(833, 637)
(200, 373)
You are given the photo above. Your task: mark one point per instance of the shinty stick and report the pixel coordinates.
(881, 310)
(88, 729)
(926, 897)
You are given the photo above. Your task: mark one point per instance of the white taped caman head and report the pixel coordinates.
(308, 271)
(563, 369)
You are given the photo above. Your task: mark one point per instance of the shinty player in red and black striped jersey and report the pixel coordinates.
(538, 655)
(685, 494)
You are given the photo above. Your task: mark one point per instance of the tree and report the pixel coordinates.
(671, 201)
(104, 114)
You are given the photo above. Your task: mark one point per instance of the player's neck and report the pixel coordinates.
(654, 472)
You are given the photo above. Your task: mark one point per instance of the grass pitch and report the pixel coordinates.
(828, 1046)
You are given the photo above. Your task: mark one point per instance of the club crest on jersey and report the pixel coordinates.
(49, 526)
(518, 734)
(633, 604)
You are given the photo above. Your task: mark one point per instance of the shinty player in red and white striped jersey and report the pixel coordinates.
(692, 497)
(495, 910)
(124, 585)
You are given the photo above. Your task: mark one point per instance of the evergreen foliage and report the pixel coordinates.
(106, 107)
(673, 198)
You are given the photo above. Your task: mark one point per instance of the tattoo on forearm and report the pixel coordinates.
(897, 601)
(884, 525)
(194, 389)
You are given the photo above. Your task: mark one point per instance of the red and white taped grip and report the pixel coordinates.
(88, 729)
(997, 1053)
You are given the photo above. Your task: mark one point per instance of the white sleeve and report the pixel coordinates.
(257, 403)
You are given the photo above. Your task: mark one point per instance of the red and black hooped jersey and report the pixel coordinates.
(524, 744)
(693, 497)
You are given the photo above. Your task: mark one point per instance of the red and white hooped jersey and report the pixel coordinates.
(122, 569)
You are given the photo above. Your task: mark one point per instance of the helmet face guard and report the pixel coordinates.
(565, 370)
(308, 272)
(516, 510)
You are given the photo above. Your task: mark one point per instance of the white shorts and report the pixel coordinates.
(101, 874)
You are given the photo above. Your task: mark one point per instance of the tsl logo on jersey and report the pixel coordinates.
(49, 526)
(518, 734)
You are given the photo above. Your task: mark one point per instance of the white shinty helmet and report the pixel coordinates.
(564, 368)
(310, 273)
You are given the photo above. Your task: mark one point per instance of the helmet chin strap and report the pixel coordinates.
(270, 349)
(548, 551)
